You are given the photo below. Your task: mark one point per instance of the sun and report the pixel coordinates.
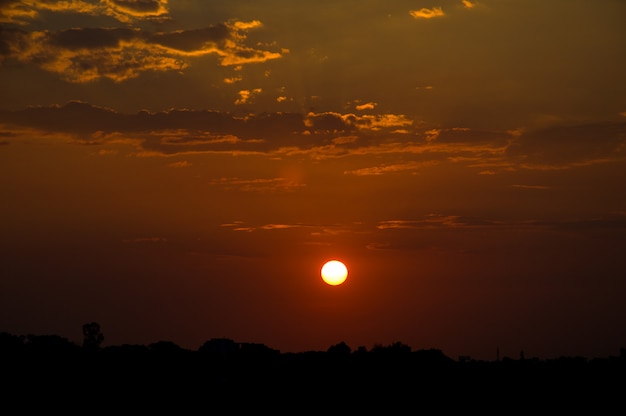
(334, 272)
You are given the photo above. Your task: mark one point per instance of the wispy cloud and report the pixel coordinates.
(179, 164)
(385, 169)
(402, 145)
(258, 185)
(240, 226)
(539, 187)
(441, 221)
(146, 240)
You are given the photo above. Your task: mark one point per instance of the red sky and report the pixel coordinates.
(181, 170)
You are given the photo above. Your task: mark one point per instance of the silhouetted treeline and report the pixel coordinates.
(248, 376)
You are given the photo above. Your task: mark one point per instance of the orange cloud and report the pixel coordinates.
(245, 96)
(22, 12)
(366, 106)
(322, 135)
(87, 54)
(425, 13)
(468, 4)
(127, 10)
(380, 170)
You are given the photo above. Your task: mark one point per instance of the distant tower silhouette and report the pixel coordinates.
(498, 353)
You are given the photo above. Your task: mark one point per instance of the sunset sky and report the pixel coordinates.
(181, 170)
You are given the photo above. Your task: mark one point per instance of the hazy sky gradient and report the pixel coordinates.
(180, 170)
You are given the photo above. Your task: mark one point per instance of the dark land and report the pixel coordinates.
(48, 372)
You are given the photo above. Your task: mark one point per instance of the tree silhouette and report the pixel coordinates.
(92, 336)
(341, 349)
(10, 344)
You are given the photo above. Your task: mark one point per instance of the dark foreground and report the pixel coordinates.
(164, 378)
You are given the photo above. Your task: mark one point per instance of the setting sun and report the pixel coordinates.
(334, 272)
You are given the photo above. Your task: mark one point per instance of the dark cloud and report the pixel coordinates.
(325, 135)
(571, 145)
(179, 130)
(322, 135)
(327, 122)
(91, 38)
(612, 223)
(24, 12)
(467, 136)
(75, 118)
(440, 221)
(164, 132)
(85, 54)
(609, 226)
(190, 40)
(11, 39)
(140, 6)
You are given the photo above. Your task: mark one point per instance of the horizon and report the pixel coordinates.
(182, 171)
(222, 342)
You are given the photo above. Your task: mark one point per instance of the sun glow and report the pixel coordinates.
(334, 272)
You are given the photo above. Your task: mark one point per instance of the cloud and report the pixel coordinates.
(337, 122)
(381, 121)
(393, 168)
(81, 55)
(422, 233)
(311, 234)
(179, 164)
(246, 96)
(425, 13)
(437, 221)
(125, 10)
(280, 226)
(143, 240)
(539, 187)
(440, 221)
(365, 106)
(194, 41)
(565, 147)
(259, 185)
(179, 132)
(239, 226)
(233, 80)
(16, 12)
(22, 12)
(401, 145)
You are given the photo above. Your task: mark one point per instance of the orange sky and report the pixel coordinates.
(180, 170)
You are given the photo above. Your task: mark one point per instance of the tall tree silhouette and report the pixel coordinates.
(92, 336)
(341, 349)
